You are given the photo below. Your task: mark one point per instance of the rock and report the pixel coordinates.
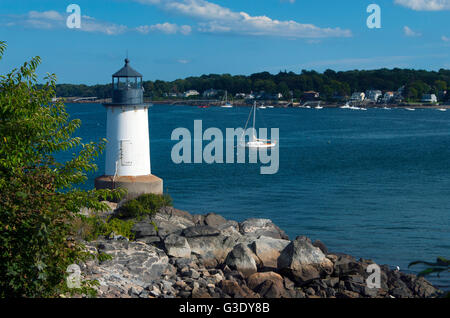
(268, 249)
(212, 250)
(267, 284)
(258, 227)
(322, 246)
(177, 246)
(235, 290)
(199, 231)
(230, 228)
(347, 265)
(214, 220)
(241, 259)
(303, 262)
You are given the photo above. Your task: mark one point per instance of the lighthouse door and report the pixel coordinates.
(126, 156)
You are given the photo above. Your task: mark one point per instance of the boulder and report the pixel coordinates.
(214, 220)
(132, 263)
(258, 227)
(256, 279)
(347, 265)
(200, 231)
(233, 289)
(177, 246)
(303, 262)
(211, 250)
(268, 249)
(241, 259)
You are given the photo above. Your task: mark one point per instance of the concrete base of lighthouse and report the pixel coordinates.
(135, 185)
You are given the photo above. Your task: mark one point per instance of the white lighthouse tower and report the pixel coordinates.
(127, 131)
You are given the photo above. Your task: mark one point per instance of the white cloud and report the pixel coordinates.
(409, 32)
(425, 5)
(217, 19)
(55, 20)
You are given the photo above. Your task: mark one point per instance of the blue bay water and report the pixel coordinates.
(373, 184)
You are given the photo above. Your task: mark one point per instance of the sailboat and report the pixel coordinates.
(227, 104)
(318, 106)
(255, 142)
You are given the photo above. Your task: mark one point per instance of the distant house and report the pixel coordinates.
(388, 97)
(373, 95)
(191, 93)
(358, 96)
(311, 95)
(210, 93)
(429, 98)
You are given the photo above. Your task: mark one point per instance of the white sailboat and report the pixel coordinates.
(255, 142)
(346, 106)
(318, 106)
(227, 104)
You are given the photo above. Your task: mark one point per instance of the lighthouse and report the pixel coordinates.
(127, 163)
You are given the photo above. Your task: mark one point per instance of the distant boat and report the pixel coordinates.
(318, 106)
(255, 142)
(270, 106)
(203, 106)
(442, 109)
(346, 106)
(262, 107)
(227, 104)
(386, 108)
(410, 109)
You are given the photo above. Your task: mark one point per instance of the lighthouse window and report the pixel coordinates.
(125, 152)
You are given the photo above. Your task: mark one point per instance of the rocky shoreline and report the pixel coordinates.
(207, 256)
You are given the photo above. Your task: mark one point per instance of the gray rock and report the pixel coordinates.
(303, 262)
(199, 231)
(214, 220)
(268, 250)
(241, 259)
(211, 250)
(177, 246)
(259, 227)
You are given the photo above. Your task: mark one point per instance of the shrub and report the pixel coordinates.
(144, 205)
(39, 201)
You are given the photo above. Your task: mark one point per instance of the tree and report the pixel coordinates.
(39, 200)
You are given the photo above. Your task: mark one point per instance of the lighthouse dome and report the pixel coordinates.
(127, 87)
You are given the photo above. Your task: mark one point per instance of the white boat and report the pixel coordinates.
(262, 107)
(346, 106)
(410, 109)
(442, 109)
(227, 104)
(386, 108)
(255, 142)
(270, 106)
(318, 106)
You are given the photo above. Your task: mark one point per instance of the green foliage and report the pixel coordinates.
(39, 200)
(144, 205)
(90, 228)
(329, 83)
(441, 265)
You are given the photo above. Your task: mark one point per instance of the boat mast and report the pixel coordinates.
(254, 118)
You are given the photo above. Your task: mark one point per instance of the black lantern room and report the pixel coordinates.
(127, 87)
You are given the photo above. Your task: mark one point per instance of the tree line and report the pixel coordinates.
(330, 84)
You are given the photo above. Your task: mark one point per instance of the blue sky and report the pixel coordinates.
(170, 39)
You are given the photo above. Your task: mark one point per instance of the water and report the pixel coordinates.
(373, 184)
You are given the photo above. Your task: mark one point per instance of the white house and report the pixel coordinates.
(191, 93)
(429, 98)
(358, 96)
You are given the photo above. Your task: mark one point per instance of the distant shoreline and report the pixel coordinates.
(276, 104)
